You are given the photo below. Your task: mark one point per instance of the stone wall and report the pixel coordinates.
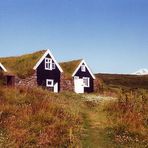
(97, 85)
(28, 82)
(66, 84)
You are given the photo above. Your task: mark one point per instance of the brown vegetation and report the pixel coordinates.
(124, 81)
(128, 117)
(38, 118)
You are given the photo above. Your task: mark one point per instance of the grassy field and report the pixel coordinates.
(37, 118)
(116, 116)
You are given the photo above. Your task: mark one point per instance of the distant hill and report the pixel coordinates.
(124, 81)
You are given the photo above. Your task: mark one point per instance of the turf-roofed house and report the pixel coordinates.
(48, 72)
(6, 77)
(36, 69)
(80, 74)
(42, 69)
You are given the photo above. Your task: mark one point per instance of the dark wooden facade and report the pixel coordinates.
(10, 80)
(7, 79)
(82, 74)
(43, 74)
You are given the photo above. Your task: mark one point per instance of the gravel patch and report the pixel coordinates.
(97, 98)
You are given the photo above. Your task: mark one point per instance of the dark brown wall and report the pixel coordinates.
(10, 80)
(43, 74)
(82, 74)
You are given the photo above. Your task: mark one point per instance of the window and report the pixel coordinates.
(48, 64)
(49, 83)
(86, 82)
(83, 68)
(53, 65)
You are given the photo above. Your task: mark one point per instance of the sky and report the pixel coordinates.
(111, 35)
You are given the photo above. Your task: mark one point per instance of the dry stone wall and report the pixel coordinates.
(66, 84)
(28, 82)
(97, 85)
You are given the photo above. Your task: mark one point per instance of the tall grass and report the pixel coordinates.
(128, 117)
(37, 118)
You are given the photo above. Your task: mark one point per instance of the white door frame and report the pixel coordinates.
(55, 88)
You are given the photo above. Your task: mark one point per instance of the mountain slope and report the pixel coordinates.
(143, 71)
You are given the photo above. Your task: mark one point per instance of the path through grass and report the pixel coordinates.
(95, 127)
(98, 132)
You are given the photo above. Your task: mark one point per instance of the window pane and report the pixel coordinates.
(83, 68)
(53, 65)
(49, 83)
(48, 63)
(86, 81)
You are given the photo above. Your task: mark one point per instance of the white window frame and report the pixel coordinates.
(88, 81)
(47, 83)
(76, 77)
(48, 61)
(83, 68)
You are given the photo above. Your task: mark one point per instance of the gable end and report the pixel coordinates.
(79, 67)
(44, 56)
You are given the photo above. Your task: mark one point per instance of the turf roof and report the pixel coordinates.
(22, 66)
(69, 67)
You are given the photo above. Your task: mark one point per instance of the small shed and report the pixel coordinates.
(7, 78)
(10, 79)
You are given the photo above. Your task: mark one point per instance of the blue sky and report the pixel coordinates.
(111, 35)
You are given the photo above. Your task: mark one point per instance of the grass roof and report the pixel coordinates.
(22, 66)
(69, 67)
